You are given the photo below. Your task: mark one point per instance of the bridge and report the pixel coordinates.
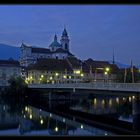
(120, 87)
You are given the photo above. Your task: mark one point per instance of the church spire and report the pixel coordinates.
(113, 58)
(55, 38)
(64, 33)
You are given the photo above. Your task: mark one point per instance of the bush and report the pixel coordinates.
(17, 85)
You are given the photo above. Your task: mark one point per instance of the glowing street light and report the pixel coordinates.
(41, 121)
(107, 69)
(56, 129)
(77, 71)
(51, 78)
(105, 72)
(31, 116)
(42, 76)
(56, 74)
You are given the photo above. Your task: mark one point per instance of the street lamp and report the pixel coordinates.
(107, 69)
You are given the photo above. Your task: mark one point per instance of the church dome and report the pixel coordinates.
(55, 43)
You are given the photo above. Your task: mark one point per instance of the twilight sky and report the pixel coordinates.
(94, 30)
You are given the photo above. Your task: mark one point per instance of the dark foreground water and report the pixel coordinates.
(30, 117)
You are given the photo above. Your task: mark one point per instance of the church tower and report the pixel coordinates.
(65, 40)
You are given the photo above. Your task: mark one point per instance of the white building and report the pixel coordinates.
(8, 68)
(56, 50)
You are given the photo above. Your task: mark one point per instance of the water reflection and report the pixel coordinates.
(118, 106)
(23, 119)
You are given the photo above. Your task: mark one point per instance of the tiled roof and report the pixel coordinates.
(94, 65)
(40, 50)
(60, 50)
(75, 63)
(9, 63)
(50, 65)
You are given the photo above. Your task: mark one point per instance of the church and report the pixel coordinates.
(30, 54)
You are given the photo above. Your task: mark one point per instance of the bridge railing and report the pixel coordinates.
(100, 86)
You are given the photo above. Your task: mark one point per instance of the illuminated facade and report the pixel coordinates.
(53, 71)
(56, 50)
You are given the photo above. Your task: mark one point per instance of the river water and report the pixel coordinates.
(29, 117)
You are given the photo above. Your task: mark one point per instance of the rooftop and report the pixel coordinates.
(50, 65)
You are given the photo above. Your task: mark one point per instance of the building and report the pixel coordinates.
(99, 71)
(49, 70)
(48, 63)
(56, 50)
(8, 68)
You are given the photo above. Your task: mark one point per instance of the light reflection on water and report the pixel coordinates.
(20, 119)
(28, 121)
(121, 106)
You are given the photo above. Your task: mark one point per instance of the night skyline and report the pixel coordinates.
(94, 30)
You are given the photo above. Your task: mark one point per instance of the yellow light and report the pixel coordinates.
(77, 72)
(56, 129)
(64, 76)
(117, 100)
(41, 121)
(133, 97)
(26, 108)
(48, 81)
(130, 99)
(81, 126)
(110, 102)
(56, 74)
(103, 102)
(95, 101)
(30, 78)
(107, 69)
(69, 77)
(31, 116)
(82, 74)
(42, 76)
(105, 73)
(51, 78)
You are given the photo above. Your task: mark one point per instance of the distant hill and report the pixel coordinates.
(7, 51)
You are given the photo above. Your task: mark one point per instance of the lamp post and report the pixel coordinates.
(107, 69)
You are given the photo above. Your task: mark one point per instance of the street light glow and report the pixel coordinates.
(56, 74)
(77, 71)
(105, 73)
(41, 121)
(56, 129)
(107, 69)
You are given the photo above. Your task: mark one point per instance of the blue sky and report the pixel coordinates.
(94, 30)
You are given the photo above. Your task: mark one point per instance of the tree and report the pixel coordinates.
(17, 85)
